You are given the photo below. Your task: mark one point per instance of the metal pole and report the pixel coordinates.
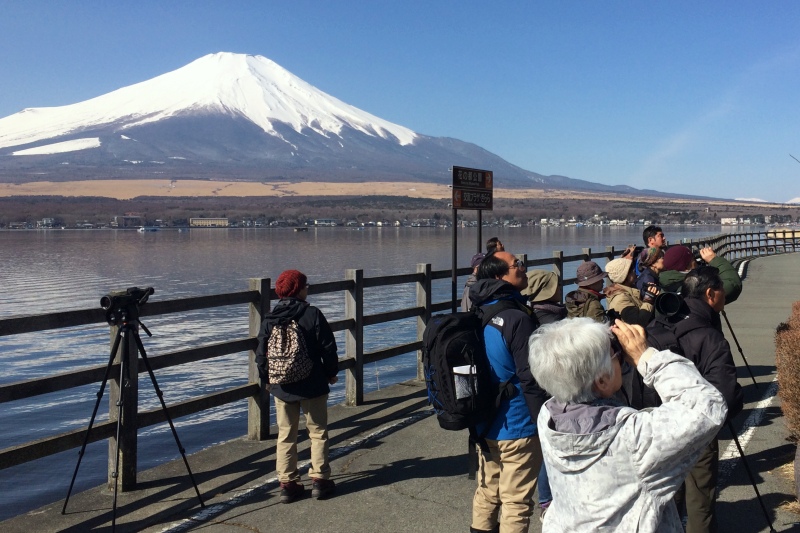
(750, 475)
(480, 231)
(455, 262)
(740, 349)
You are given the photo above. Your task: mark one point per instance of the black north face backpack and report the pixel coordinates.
(458, 374)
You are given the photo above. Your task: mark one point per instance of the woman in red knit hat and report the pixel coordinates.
(309, 394)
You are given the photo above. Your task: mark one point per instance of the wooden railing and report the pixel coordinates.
(258, 298)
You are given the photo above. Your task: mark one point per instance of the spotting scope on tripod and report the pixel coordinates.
(122, 310)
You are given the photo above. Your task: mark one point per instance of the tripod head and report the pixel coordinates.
(124, 305)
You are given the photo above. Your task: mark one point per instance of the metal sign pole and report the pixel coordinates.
(455, 261)
(472, 189)
(480, 230)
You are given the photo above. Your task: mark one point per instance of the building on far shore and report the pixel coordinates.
(209, 222)
(126, 221)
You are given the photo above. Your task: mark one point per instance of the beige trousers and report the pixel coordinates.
(287, 415)
(506, 480)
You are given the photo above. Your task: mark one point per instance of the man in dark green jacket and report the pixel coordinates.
(678, 261)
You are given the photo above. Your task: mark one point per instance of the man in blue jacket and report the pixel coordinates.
(507, 471)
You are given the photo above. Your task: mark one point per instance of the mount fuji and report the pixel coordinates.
(240, 117)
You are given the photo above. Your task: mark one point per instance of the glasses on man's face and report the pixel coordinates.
(518, 264)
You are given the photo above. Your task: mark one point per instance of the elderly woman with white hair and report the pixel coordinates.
(613, 468)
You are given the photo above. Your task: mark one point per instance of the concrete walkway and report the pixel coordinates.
(397, 471)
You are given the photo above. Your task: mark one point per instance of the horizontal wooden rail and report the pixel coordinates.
(86, 376)
(37, 449)
(380, 355)
(391, 316)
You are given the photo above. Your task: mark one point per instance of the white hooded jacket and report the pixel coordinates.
(612, 468)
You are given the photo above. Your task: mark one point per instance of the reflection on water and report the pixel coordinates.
(55, 270)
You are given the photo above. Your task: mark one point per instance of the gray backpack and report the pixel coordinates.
(288, 360)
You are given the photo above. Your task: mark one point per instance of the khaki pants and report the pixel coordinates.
(288, 418)
(506, 480)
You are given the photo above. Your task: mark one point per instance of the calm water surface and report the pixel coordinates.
(58, 270)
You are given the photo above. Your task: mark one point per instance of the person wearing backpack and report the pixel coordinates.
(291, 335)
(510, 462)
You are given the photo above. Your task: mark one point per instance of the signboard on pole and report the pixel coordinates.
(472, 188)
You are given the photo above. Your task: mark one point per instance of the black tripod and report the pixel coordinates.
(122, 310)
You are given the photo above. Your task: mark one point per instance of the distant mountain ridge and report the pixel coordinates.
(241, 117)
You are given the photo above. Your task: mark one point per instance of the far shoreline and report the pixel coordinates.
(165, 188)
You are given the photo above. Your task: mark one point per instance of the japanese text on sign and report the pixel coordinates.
(470, 178)
(472, 188)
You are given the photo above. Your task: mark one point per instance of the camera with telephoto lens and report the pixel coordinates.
(668, 304)
(121, 305)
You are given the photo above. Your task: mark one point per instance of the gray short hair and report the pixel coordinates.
(567, 356)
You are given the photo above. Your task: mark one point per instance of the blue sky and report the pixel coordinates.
(680, 96)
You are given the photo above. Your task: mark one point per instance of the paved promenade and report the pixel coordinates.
(397, 471)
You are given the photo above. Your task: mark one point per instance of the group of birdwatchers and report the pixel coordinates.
(624, 400)
(598, 409)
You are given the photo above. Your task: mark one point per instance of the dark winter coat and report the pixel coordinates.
(702, 342)
(700, 339)
(506, 338)
(320, 344)
(647, 276)
(549, 312)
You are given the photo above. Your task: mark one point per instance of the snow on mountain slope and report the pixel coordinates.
(252, 87)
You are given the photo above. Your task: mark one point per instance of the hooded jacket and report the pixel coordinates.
(702, 342)
(466, 303)
(506, 337)
(613, 468)
(584, 302)
(319, 341)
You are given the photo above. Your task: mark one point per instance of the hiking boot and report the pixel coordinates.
(291, 491)
(322, 488)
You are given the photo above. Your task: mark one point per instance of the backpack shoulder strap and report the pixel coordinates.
(487, 312)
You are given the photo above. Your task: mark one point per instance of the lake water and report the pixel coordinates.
(57, 270)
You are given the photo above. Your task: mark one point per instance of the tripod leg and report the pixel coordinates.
(123, 376)
(160, 395)
(739, 347)
(750, 475)
(114, 349)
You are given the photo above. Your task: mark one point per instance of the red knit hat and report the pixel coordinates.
(678, 258)
(290, 283)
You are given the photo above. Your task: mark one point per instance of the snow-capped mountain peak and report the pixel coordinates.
(252, 87)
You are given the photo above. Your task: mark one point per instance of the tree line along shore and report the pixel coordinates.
(66, 211)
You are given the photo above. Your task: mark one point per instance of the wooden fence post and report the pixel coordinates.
(126, 392)
(587, 254)
(354, 337)
(258, 405)
(558, 269)
(610, 253)
(423, 300)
